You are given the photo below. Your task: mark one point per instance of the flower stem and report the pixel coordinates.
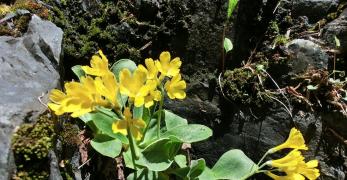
(262, 158)
(160, 111)
(132, 148)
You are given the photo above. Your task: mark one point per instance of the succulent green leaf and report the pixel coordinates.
(106, 145)
(145, 174)
(121, 64)
(181, 160)
(159, 155)
(196, 168)
(172, 120)
(138, 112)
(228, 45)
(188, 133)
(234, 165)
(78, 71)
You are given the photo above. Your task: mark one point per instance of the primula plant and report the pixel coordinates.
(123, 106)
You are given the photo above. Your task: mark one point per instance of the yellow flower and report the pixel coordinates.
(295, 167)
(107, 86)
(175, 87)
(153, 95)
(287, 177)
(294, 141)
(128, 123)
(99, 65)
(134, 85)
(151, 71)
(167, 67)
(80, 98)
(292, 159)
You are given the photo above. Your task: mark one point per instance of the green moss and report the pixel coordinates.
(274, 29)
(280, 40)
(244, 85)
(30, 145)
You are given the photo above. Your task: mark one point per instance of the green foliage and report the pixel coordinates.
(121, 64)
(106, 145)
(231, 6)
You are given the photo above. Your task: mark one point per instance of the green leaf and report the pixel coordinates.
(207, 174)
(150, 134)
(189, 133)
(231, 6)
(181, 160)
(121, 64)
(234, 165)
(145, 174)
(159, 155)
(104, 123)
(138, 112)
(172, 120)
(107, 112)
(122, 99)
(78, 71)
(196, 168)
(106, 145)
(228, 45)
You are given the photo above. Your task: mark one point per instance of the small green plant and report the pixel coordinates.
(123, 106)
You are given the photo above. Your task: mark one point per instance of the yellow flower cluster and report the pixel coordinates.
(82, 97)
(293, 164)
(142, 85)
(100, 87)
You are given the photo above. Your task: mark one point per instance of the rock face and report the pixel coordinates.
(313, 9)
(304, 53)
(28, 70)
(338, 28)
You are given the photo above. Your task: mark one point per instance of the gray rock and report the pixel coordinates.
(338, 28)
(54, 167)
(313, 9)
(28, 69)
(304, 53)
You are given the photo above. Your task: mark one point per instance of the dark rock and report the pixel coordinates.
(338, 28)
(148, 9)
(304, 53)
(54, 167)
(28, 69)
(313, 9)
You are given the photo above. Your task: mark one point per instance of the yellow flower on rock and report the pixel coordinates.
(80, 98)
(167, 67)
(99, 65)
(128, 123)
(295, 167)
(294, 141)
(133, 85)
(151, 71)
(176, 87)
(291, 160)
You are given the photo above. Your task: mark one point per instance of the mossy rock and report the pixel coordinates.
(31, 144)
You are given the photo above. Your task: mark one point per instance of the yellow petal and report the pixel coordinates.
(56, 108)
(120, 126)
(294, 141)
(56, 95)
(136, 133)
(139, 101)
(165, 57)
(152, 69)
(139, 123)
